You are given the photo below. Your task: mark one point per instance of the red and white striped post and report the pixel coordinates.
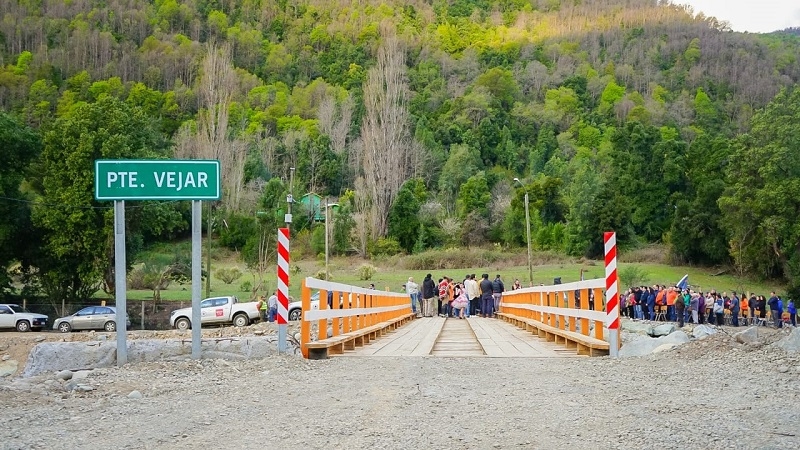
(283, 287)
(612, 293)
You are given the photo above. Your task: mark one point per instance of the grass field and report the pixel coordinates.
(391, 275)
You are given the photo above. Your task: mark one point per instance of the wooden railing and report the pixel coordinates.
(354, 317)
(561, 312)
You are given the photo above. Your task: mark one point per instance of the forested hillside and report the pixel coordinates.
(416, 116)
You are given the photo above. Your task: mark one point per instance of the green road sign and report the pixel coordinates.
(155, 179)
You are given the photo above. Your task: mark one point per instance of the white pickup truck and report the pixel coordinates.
(15, 316)
(219, 311)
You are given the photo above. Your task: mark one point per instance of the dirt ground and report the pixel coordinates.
(710, 394)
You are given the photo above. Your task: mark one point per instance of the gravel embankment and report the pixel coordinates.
(706, 394)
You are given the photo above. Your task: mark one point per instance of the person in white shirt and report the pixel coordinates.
(473, 293)
(413, 291)
(272, 303)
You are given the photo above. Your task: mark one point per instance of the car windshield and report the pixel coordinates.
(18, 309)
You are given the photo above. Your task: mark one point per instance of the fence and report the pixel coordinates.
(355, 315)
(144, 314)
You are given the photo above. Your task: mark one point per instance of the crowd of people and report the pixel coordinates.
(459, 299)
(686, 305)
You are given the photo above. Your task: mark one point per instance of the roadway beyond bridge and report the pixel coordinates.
(452, 337)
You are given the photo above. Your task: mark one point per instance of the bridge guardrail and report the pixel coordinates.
(359, 310)
(565, 307)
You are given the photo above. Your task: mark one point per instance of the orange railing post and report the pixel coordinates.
(598, 306)
(322, 324)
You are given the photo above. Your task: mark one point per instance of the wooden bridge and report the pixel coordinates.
(545, 321)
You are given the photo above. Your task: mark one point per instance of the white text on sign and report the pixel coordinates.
(176, 180)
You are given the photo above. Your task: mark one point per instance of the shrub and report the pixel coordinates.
(630, 276)
(228, 276)
(246, 286)
(455, 259)
(366, 272)
(384, 246)
(320, 275)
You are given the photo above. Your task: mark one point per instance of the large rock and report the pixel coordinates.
(637, 327)
(58, 356)
(645, 345)
(8, 367)
(663, 330)
(748, 336)
(790, 343)
(701, 331)
(664, 348)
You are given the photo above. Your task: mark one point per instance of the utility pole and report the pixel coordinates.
(327, 274)
(528, 227)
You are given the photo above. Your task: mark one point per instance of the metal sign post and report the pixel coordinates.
(120, 282)
(121, 180)
(197, 277)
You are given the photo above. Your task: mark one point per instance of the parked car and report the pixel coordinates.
(217, 310)
(15, 316)
(90, 318)
(296, 308)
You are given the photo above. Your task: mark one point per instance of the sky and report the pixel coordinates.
(755, 16)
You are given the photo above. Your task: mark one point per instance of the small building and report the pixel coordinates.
(315, 204)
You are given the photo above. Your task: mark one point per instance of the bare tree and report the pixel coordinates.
(211, 138)
(387, 142)
(335, 121)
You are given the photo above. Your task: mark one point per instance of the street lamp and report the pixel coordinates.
(528, 227)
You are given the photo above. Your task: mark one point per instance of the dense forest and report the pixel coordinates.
(414, 116)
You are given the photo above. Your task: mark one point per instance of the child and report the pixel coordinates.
(460, 302)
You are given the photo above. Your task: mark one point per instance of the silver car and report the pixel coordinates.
(90, 318)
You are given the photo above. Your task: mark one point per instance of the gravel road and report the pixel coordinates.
(706, 394)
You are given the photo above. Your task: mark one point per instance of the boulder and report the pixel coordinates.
(644, 345)
(8, 368)
(58, 356)
(637, 327)
(664, 348)
(663, 330)
(78, 356)
(65, 375)
(790, 343)
(748, 336)
(701, 331)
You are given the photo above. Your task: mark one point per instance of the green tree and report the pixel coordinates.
(760, 204)
(79, 253)
(403, 216)
(474, 197)
(546, 145)
(20, 146)
(697, 234)
(464, 161)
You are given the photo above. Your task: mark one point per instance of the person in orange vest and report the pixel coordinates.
(451, 294)
(745, 306)
(660, 299)
(671, 295)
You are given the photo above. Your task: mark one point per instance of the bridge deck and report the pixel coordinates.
(476, 336)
